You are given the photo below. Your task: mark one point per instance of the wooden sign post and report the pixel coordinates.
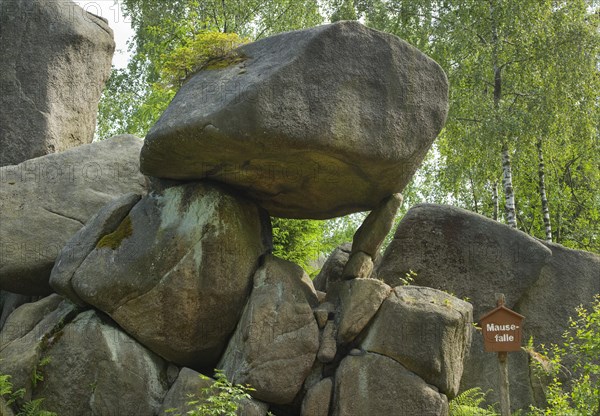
(502, 332)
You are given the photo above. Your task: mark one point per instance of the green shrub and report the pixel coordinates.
(581, 395)
(221, 398)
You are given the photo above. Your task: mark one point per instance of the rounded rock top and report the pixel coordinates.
(314, 123)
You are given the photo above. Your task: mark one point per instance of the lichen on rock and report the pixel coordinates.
(114, 239)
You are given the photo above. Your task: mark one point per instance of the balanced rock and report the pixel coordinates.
(56, 58)
(427, 331)
(276, 341)
(372, 384)
(463, 253)
(315, 123)
(83, 364)
(45, 201)
(175, 273)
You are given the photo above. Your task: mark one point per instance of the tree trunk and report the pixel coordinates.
(475, 203)
(495, 199)
(545, 207)
(509, 195)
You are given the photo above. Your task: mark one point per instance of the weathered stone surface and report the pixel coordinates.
(370, 235)
(45, 201)
(176, 272)
(95, 368)
(276, 341)
(465, 254)
(328, 347)
(11, 301)
(189, 383)
(317, 399)
(360, 300)
(24, 338)
(317, 123)
(427, 331)
(85, 240)
(55, 60)
(333, 267)
(359, 266)
(372, 384)
(570, 278)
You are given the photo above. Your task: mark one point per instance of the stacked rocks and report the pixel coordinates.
(179, 280)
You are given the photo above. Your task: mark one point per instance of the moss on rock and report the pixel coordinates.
(114, 239)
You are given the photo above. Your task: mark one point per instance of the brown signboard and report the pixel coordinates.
(502, 330)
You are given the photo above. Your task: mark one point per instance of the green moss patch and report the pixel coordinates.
(224, 61)
(114, 239)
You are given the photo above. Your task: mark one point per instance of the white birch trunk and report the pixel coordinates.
(495, 200)
(545, 207)
(511, 217)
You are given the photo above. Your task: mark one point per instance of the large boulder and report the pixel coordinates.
(56, 58)
(176, 271)
(425, 330)
(314, 123)
(276, 341)
(83, 364)
(463, 253)
(44, 201)
(372, 384)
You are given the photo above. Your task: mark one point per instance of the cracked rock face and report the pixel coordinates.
(45, 201)
(174, 272)
(56, 58)
(276, 341)
(88, 364)
(316, 123)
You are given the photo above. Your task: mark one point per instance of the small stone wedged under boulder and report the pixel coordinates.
(463, 253)
(372, 384)
(56, 58)
(427, 331)
(177, 270)
(45, 201)
(316, 123)
(276, 341)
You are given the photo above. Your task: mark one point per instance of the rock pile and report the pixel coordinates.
(155, 287)
(157, 284)
(474, 257)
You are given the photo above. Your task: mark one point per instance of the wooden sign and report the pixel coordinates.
(502, 330)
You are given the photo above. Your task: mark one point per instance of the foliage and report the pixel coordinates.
(469, 403)
(31, 408)
(34, 408)
(579, 358)
(221, 398)
(298, 241)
